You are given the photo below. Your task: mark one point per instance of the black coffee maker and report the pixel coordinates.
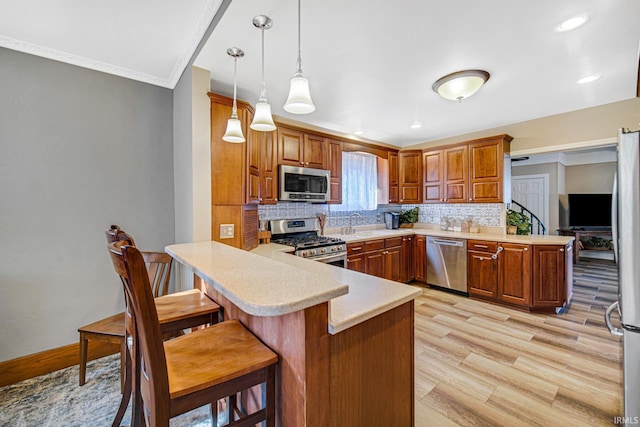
(391, 220)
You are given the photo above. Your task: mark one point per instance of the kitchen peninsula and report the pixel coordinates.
(345, 340)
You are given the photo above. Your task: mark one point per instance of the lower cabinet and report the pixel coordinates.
(407, 267)
(420, 258)
(382, 257)
(536, 277)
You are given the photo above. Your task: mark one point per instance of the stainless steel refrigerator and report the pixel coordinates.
(625, 218)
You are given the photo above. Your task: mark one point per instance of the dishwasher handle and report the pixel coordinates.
(448, 242)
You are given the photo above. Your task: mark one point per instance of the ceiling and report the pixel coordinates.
(371, 64)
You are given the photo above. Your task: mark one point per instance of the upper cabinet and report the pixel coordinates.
(472, 172)
(410, 176)
(297, 148)
(335, 167)
(394, 190)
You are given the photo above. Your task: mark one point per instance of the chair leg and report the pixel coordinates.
(84, 343)
(123, 364)
(126, 391)
(270, 395)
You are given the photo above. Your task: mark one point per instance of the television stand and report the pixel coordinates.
(579, 232)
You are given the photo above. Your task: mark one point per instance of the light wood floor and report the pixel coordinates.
(479, 364)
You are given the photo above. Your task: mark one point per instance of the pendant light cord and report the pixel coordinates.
(234, 111)
(299, 61)
(263, 88)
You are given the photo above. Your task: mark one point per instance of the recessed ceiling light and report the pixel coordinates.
(588, 79)
(572, 23)
(358, 132)
(415, 126)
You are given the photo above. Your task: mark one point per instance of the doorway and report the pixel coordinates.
(532, 192)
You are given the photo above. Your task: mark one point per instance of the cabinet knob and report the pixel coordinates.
(302, 163)
(470, 199)
(561, 249)
(259, 199)
(442, 200)
(526, 249)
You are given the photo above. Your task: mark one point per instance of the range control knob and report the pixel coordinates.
(304, 254)
(312, 252)
(339, 247)
(323, 250)
(333, 248)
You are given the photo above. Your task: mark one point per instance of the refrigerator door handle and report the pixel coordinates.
(617, 332)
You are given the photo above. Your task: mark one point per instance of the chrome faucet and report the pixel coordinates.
(350, 230)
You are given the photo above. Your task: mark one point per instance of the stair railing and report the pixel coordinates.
(541, 227)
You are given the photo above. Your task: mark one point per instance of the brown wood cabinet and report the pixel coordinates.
(534, 277)
(514, 273)
(408, 268)
(482, 269)
(298, 148)
(335, 167)
(380, 257)
(268, 170)
(550, 275)
(433, 165)
(394, 189)
(235, 176)
(410, 176)
(420, 258)
(469, 172)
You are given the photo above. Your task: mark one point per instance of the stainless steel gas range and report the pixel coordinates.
(302, 234)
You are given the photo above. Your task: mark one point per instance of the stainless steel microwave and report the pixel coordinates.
(304, 184)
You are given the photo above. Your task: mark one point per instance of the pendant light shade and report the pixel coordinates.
(299, 100)
(234, 127)
(262, 119)
(461, 84)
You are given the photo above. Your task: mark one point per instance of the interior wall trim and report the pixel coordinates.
(566, 147)
(33, 365)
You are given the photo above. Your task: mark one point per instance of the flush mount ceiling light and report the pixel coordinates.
(571, 23)
(461, 84)
(299, 100)
(262, 120)
(234, 129)
(415, 125)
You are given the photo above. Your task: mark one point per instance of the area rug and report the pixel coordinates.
(56, 399)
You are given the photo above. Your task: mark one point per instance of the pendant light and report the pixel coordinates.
(299, 101)
(461, 84)
(262, 120)
(234, 128)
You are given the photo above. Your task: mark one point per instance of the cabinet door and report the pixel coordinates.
(315, 151)
(394, 190)
(482, 274)
(290, 147)
(335, 166)
(420, 258)
(393, 263)
(456, 174)
(374, 263)
(253, 163)
(486, 159)
(514, 269)
(548, 276)
(407, 272)
(268, 168)
(433, 165)
(356, 263)
(410, 176)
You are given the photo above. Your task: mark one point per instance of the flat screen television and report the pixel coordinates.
(589, 210)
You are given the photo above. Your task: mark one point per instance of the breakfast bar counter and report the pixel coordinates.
(345, 340)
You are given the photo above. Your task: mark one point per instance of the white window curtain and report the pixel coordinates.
(359, 181)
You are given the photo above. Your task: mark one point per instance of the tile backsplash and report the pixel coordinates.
(485, 214)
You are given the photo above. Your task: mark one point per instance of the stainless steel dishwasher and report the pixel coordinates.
(447, 263)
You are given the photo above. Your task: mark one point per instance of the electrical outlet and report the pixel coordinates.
(227, 231)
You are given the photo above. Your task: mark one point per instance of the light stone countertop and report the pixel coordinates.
(256, 284)
(368, 295)
(381, 233)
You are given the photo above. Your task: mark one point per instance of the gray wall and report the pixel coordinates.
(593, 178)
(80, 150)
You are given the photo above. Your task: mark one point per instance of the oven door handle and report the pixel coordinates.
(329, 257)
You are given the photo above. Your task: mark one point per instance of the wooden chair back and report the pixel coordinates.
(154, 381)
(115, 233)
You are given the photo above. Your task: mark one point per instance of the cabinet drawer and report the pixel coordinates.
(482, 245)
(355, 248)
(392, 242)
(373, 245)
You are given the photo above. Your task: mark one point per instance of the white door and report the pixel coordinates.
(532, 192)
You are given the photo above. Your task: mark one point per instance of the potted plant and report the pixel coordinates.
(517, 223)
(408, 218)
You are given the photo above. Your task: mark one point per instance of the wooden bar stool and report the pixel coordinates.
(176, 312)
(192, 370)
